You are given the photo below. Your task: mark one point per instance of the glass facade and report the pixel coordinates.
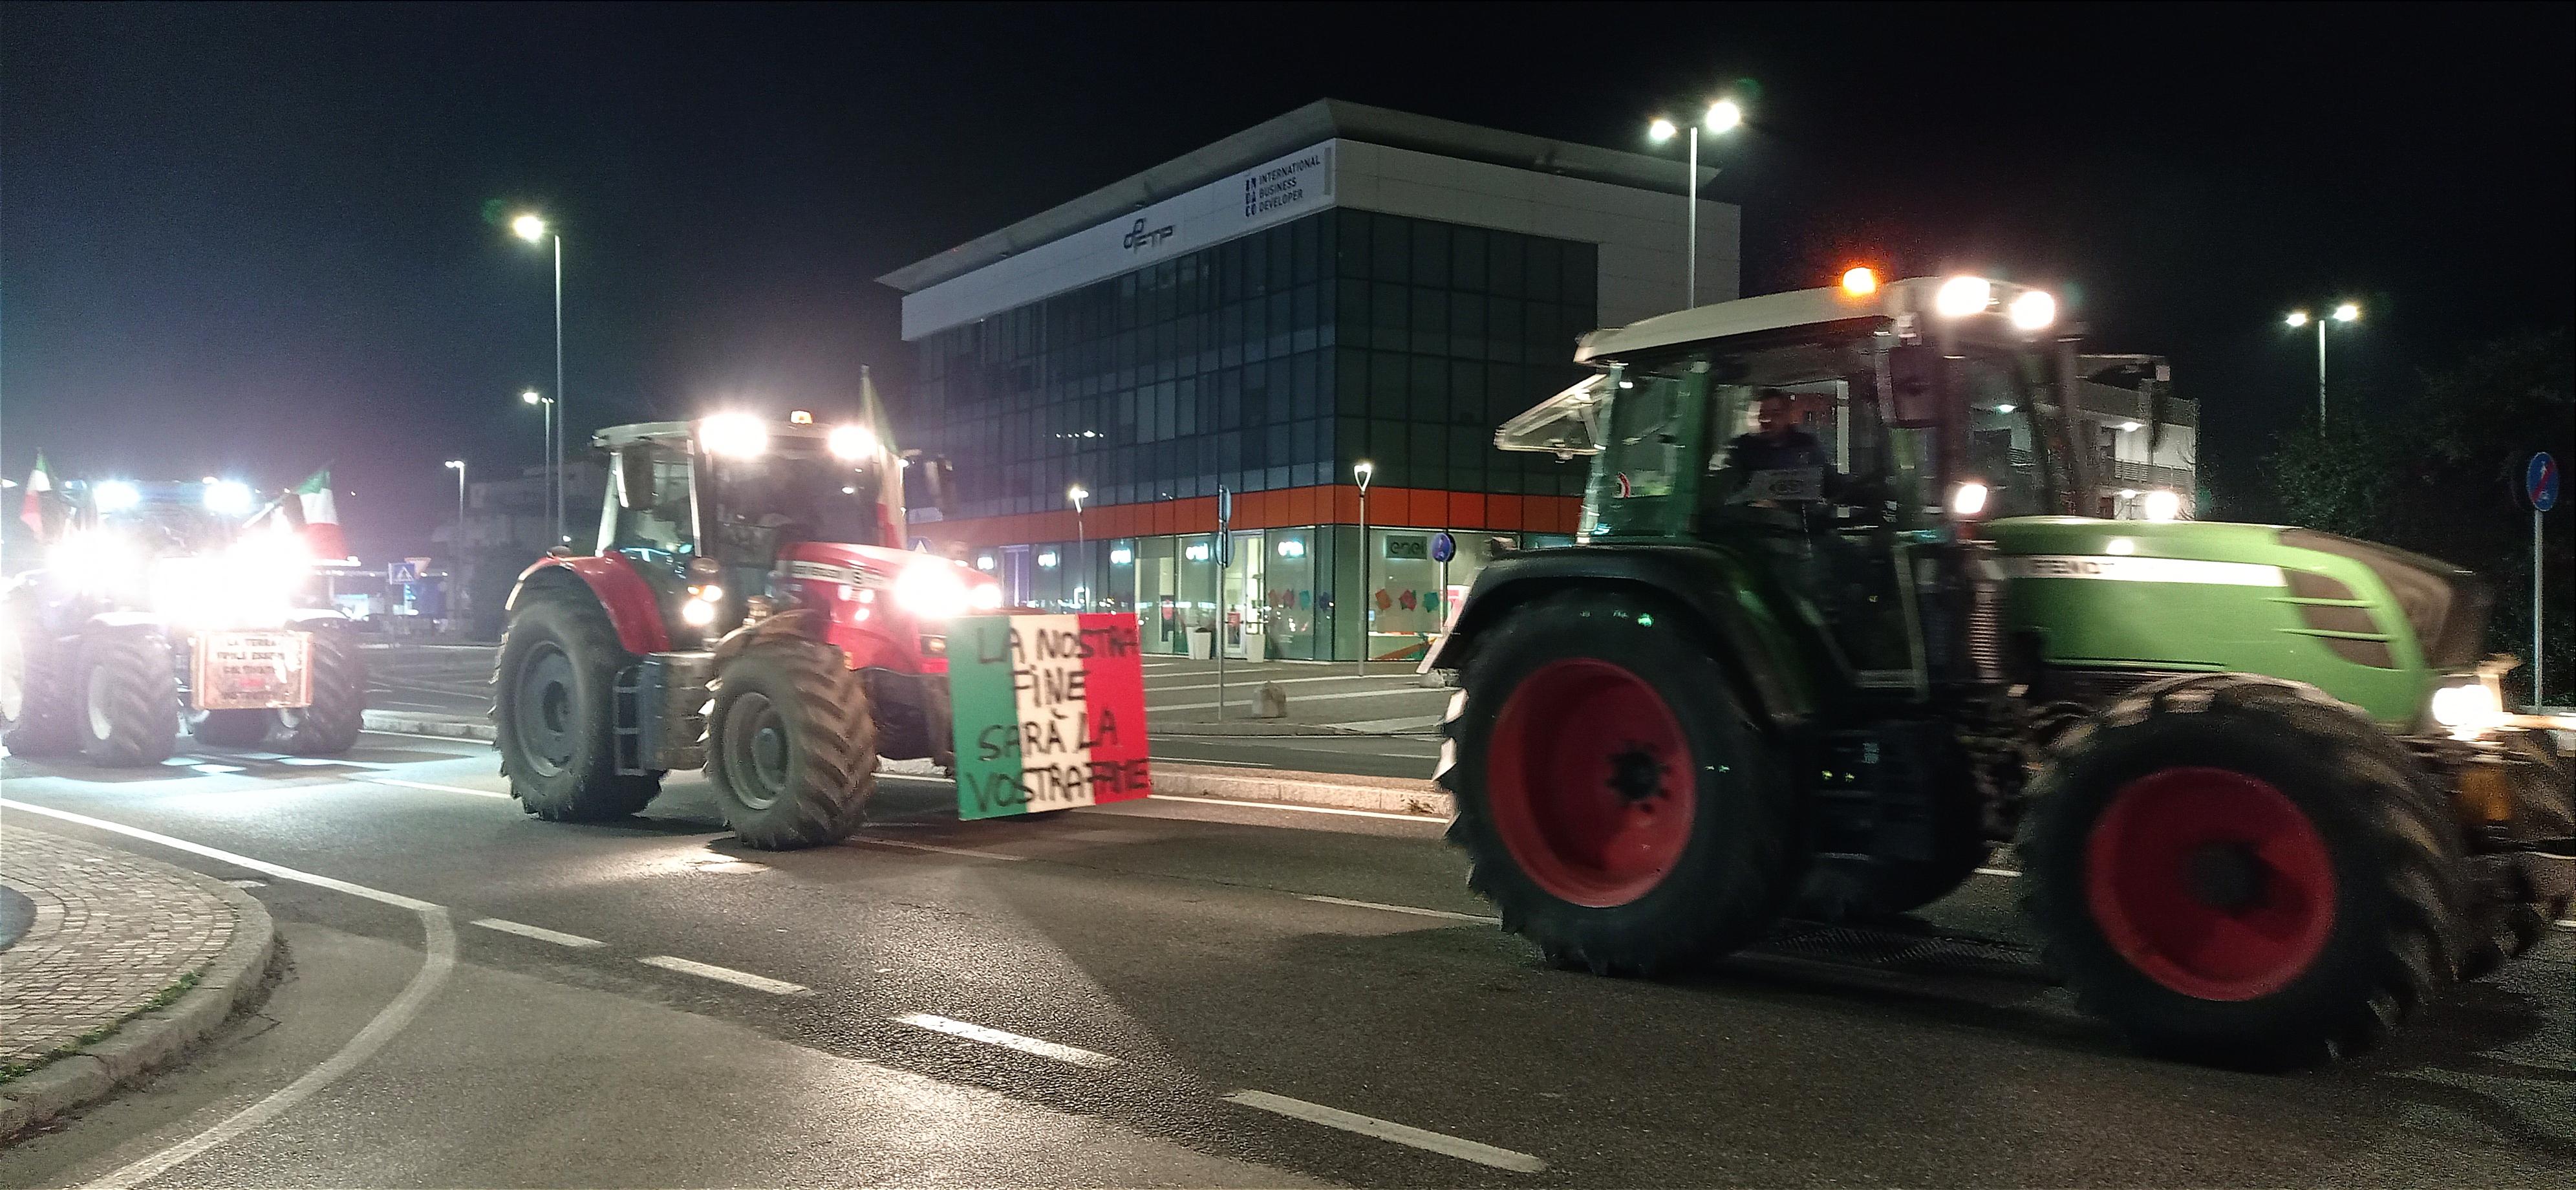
(1269, 361)
(1267, 364)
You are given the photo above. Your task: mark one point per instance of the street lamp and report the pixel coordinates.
(1723, 116)
(534, 229)
(459, 465)
(549, 456)
(1360, 473)
(2343, 312)
(1081, 543)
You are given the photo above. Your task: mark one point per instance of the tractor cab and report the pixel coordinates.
(1843, 445)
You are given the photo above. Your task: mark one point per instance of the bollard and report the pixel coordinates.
(1270, 702)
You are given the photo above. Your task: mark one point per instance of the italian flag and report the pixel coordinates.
(40, 482)
(1050, 712)
(310, 509)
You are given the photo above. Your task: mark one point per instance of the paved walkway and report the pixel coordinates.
(110, 932)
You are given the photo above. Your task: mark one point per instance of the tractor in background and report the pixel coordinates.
(2261, 786)
(750, 609)
(157, 605)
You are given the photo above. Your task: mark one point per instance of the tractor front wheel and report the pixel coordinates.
(556, 683)
(2242, 871)
(1615, 802)
(329, 726)
(130, 698)
(791, 750)
(39, 699)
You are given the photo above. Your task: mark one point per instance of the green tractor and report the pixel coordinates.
(1830, 635)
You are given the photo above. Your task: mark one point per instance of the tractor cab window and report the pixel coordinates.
(2010, 423)
(656, 517)
(783, 497)
(1649, 471)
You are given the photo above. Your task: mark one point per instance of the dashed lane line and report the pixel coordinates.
(1415, 911)
(540, 933)
(2004, 872)
(1424, 819)
(1043, 1048)
(757, 983)
(1403, 1134)
(432, 787)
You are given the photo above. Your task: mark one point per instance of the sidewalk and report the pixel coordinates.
(125, 962)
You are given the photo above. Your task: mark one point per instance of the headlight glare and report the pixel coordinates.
(1959, 297)
(2469, 709)
(931, 589)
(2033, 310)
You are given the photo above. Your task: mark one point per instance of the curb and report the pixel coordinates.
(454, 727)
(155, 1039)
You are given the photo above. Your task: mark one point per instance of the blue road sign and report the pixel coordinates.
(2540, 482)
(402, 572)
(1443, 547)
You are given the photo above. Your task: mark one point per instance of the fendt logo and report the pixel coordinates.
(1142, 236)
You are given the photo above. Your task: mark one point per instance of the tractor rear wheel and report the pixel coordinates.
(2240, 870)
(791, 750)
(130, 698)
(329, 726)
(39, 701)
(1614, 800)
(232, 728)
(555, 688)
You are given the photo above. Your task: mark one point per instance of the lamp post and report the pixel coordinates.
(2345, 312)
(1081, 543)
(1723, 116)
(534, 229)
(550, 456)
(459, 465)
(1360, 473)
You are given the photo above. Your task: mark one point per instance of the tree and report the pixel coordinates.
(2441, 474)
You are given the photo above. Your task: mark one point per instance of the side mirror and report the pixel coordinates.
(1914, 386)
(634, 478)
(931, 482)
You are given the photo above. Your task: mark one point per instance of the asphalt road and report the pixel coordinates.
(1339, 721)
(1181, 990)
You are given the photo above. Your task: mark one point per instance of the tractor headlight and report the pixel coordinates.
(734, 435)
(1959, 297)
(2033, 310)
(1968, 499)
(2469, 709)
(95, 562)
(852, 442)
(932, 589)
(697, 613)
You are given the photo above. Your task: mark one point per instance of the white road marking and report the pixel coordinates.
(1239, 764)
(1026, 1045)
(1424, 819)
(217, 770)
(1417, 912)
(438, 959)
(2006, 872)
(1403, 1134)
(964, 851)
(540, 933)
(2565, 923)
(1246, 700)
(757, 983)
(246, 882)
(423, 735)
(432, 787)
(1240, 683)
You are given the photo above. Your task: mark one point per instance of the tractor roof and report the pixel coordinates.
(682, 431)
(1774, 312)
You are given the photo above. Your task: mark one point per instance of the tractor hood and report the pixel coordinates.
(2371, 625)
(841, 562)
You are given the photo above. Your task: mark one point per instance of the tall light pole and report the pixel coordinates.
(1360, 473)
(459, 465)
(2345, 312)
(1723, 116)
(549, 456)
(533, 229)
(1081, 543)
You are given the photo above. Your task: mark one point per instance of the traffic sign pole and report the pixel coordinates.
(1224, 560)
(2540, 490)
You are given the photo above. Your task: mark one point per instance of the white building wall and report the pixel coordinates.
(1640, 233)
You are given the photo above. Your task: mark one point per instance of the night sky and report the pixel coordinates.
(254, 240)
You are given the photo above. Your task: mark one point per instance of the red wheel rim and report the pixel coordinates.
(1590, 783)
(2213, 883)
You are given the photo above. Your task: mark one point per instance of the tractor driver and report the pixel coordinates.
(1778, 472)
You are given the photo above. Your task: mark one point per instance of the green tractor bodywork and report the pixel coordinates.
(1830, 632)
(2109, 604)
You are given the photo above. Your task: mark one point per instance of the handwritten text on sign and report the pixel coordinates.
(1050, 712)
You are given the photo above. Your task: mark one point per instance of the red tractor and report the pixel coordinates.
(750, 610)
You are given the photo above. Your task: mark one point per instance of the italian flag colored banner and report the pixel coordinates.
(1050, 712)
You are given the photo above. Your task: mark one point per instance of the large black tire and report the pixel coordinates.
(232, 729)
(330, 726)
(41, 716)
(2242, 871)
(1616, 803)
(129, 697)
(791, 748)
(555, 686)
